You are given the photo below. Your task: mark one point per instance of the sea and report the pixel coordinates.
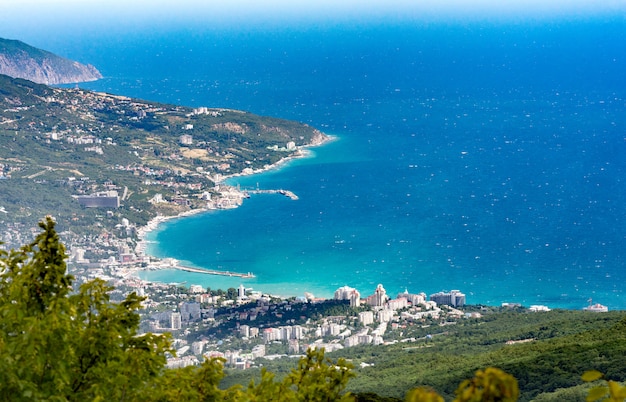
(485, 157)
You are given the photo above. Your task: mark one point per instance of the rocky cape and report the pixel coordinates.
(19, 60)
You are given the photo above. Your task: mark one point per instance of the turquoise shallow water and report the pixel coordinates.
(489, 159)
(518, 216)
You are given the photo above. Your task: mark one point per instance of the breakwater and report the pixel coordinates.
(286, 193)
(214, 272)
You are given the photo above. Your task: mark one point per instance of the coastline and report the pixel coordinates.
(152, 225)
(301, 152)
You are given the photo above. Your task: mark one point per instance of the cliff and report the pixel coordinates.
(19, 60)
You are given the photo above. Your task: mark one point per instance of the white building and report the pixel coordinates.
(348, 293)
(379, 298)
(241, 292)
(366, 317)
(175, 321)
(196, 289)
(331, 329)
(196, 347)
(186, 139)
(258, 351)
(298, 332)
(180, 362)
(294, 347)
(365, 339)
(397, 304)
(453, 298)
(386, 315)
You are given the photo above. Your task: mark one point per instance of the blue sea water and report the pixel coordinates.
(489, 158)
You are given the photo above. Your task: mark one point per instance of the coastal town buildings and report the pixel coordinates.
(453, 298)
(348, 293)
(379, 298)
(175, 321)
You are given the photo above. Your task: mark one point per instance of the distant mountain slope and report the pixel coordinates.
(19, 60)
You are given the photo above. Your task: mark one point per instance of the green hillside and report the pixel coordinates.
(56, 143)
(547, 352)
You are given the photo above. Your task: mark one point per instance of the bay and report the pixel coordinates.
(484, 158)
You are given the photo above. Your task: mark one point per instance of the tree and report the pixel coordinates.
(56, 344)
(316, 379)
(489, 385)
(232, 293)
(611, 392)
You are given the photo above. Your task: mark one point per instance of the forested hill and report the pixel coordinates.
(547, 352)
(17, 59)
(57, 143)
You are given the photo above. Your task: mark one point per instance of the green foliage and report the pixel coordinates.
(59, 345)
(489, 385)
(316, 379)
(192, 384)
(423, 394)
(610, 391)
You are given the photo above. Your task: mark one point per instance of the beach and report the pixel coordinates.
(232, 196)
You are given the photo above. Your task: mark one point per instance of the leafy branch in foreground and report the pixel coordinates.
(60, 345)
(489, 385)
(611, 392)
(56, 344)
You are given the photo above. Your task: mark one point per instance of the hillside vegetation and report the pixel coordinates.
(56, 143)
(547, 352)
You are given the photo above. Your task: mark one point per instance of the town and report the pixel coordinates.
(242, 325)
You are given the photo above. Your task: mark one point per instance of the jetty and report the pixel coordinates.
(214, 272)
(286, 193)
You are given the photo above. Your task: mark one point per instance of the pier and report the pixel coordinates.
(214, 272)
(286, 193)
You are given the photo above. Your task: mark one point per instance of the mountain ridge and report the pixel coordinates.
(20, 60)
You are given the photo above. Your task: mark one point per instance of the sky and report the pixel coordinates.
(55, 24)
(83, 12)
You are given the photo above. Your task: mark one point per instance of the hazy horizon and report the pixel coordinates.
(28, 17)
